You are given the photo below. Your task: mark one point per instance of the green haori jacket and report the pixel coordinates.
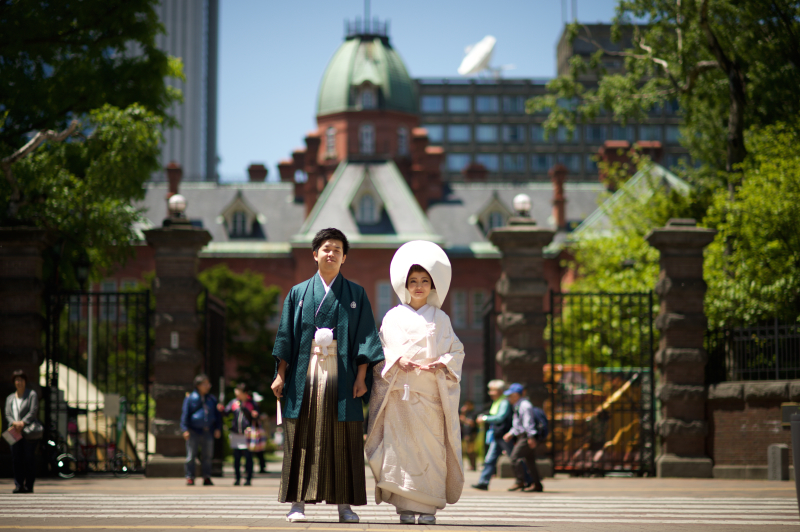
(348, 310)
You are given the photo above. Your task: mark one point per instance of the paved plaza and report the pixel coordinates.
(569, 504)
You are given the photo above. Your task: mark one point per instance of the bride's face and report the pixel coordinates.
(419, 285)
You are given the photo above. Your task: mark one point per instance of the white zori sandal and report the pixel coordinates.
(426, 519)
(297, 513)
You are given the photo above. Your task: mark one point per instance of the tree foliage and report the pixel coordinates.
(81, 191)
(753, 266)
(729, 64)
(92, 64)
(614, 258)
(61, 60)
(249, 307)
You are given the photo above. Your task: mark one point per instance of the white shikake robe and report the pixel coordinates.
(414, 446)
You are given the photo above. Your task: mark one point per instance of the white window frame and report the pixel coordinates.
(402, 140)
(386, 299)
(367, 210)
(477, 301)
(330, 142)
(368, 99)
(366, 139)
(239, 223)
(459, 309)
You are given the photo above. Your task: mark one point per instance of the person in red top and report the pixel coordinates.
(244, 416)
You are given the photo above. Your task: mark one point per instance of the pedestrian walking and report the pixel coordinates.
(497, 423)
(22, 416)
(527, 430)
(414, 441)
(244, 416)
(469, 432)
(325, 349)
(201, 423)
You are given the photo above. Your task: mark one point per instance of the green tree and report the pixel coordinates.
(81, 191)
(84, 97)
(611, 256)
(753, 266)
(249, 307)
(62, 60)
(730, 65)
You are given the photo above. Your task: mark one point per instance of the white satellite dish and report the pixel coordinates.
(478, 56)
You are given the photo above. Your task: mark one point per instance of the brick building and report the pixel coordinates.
(369, 170)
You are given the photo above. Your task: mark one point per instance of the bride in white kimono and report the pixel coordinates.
(414, 438)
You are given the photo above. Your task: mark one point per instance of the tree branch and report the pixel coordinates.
(24, 151)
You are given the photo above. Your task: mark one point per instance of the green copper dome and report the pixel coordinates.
(366, 59)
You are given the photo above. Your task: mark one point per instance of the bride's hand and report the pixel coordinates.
(432, 367)
(406, 364)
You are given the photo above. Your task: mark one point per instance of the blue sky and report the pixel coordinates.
(273, 54)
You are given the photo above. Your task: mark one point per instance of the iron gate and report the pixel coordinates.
(96, 376)
(214, 344)
(600, 379)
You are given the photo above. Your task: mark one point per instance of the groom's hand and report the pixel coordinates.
(359, 388)
(277, 386)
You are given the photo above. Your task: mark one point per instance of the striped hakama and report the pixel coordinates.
(323, 458)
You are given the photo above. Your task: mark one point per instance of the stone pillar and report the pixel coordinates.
(681, 358)
(522, 288)
(178, 348)
(21, 321)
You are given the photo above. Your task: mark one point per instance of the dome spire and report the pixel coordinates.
(369, 27)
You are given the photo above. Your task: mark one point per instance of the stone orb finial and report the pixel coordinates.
(522, 204)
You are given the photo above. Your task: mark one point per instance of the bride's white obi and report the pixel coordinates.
(414, 445)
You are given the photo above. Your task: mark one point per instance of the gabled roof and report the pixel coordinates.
(455, 217)
(641, 186)
(279, 214)
(406, 220)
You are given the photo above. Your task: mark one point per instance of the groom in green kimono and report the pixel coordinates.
(325, 349)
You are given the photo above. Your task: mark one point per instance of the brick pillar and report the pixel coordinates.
(522, 288)
(681, 357)
(178, 348)
(21, 320)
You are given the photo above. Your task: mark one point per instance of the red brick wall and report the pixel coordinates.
(740, 433)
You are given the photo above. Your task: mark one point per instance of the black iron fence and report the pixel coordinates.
(600, 378)
(96, 376)
(769, 351)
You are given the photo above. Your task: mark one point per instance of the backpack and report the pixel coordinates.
(540, 420)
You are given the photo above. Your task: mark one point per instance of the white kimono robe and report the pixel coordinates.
(414, 446)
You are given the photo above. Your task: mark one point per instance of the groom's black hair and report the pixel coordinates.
(329, 234)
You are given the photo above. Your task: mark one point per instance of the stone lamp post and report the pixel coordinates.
(522, 288)
(178, 349)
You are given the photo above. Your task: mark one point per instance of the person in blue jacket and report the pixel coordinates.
(201, 423)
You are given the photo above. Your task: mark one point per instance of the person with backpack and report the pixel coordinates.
(245, 416)
(200, 424)
(529, 427)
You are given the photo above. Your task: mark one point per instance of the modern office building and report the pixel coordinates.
(484, 121)
(192, 34)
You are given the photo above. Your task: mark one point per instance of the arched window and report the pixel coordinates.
(496, 220)
(330, 142)
(402, 141)
(366, 139)
(239, 223)
(368, 99)
(367, 213)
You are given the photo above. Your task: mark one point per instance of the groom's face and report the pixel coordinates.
(330, 256)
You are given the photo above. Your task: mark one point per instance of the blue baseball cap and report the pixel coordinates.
(514, 388)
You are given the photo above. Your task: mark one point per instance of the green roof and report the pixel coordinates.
(366, 58)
